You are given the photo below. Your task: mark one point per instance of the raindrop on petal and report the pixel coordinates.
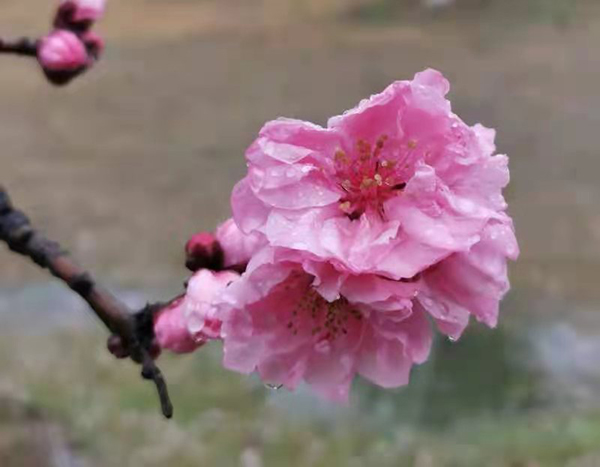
(274, 387)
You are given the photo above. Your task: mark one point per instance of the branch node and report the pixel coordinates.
(82, 284)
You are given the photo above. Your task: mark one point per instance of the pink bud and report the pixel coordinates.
(194, 319)
(79, 14)
(116, 347)
(171, 330)
(93, 43)
(237, 247)
(62, 56)
(203, 251)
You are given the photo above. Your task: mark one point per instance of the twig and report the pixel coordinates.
(134, 330)
(23, 46)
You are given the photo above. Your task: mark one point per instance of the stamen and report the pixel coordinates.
(367, 179)
(327, 320)
(366, 183)
(346, 207)
(340, 156)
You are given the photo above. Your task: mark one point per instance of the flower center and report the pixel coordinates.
(368, 177)
(324, 320)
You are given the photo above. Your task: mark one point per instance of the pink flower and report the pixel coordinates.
(190, 321)
(392, 212)
(62, 51)
(281, 320)
(237, 246)
(392, 187)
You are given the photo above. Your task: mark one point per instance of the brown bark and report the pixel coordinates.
(133, 330)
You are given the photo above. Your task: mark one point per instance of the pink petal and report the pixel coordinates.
(237, 247)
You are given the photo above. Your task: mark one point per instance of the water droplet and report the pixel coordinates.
(274, 387)
(452, 339)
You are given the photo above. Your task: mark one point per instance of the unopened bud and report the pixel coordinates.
(203, 251)
(171, 331)
(237, 246)
(94, 44)
(116, 346)
(79, 15)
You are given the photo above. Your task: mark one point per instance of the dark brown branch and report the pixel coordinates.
(134, 330)
(23, 46)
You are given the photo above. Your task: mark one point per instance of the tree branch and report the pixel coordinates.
(23, 46)
(134, 329)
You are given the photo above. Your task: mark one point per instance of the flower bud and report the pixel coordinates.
(193, 319)
(171, 330)
(237, 247)
(203, 251)
(78, 15)
(94, 44)
(116, 347)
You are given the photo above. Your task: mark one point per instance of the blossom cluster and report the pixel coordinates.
(350, 242)
(71, 47)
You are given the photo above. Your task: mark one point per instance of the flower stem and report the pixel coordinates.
(24, 47)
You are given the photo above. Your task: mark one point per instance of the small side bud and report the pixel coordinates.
(237, 247)
(203, 251)
(171, 331)
(78, 15)
(116, 347)
(94, 44)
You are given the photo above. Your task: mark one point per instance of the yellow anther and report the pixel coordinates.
(346, 207)
(378, 179)
(367, 182)
(364, 148)
(340, 156)
(412, 143)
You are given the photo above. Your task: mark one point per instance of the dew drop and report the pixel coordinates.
(274, 387)
(452, 339)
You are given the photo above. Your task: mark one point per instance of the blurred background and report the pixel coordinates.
(130, 160)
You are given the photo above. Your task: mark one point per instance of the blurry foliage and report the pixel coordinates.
(382, 11)
(558, 12)
(480, 375)
(227, 419)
